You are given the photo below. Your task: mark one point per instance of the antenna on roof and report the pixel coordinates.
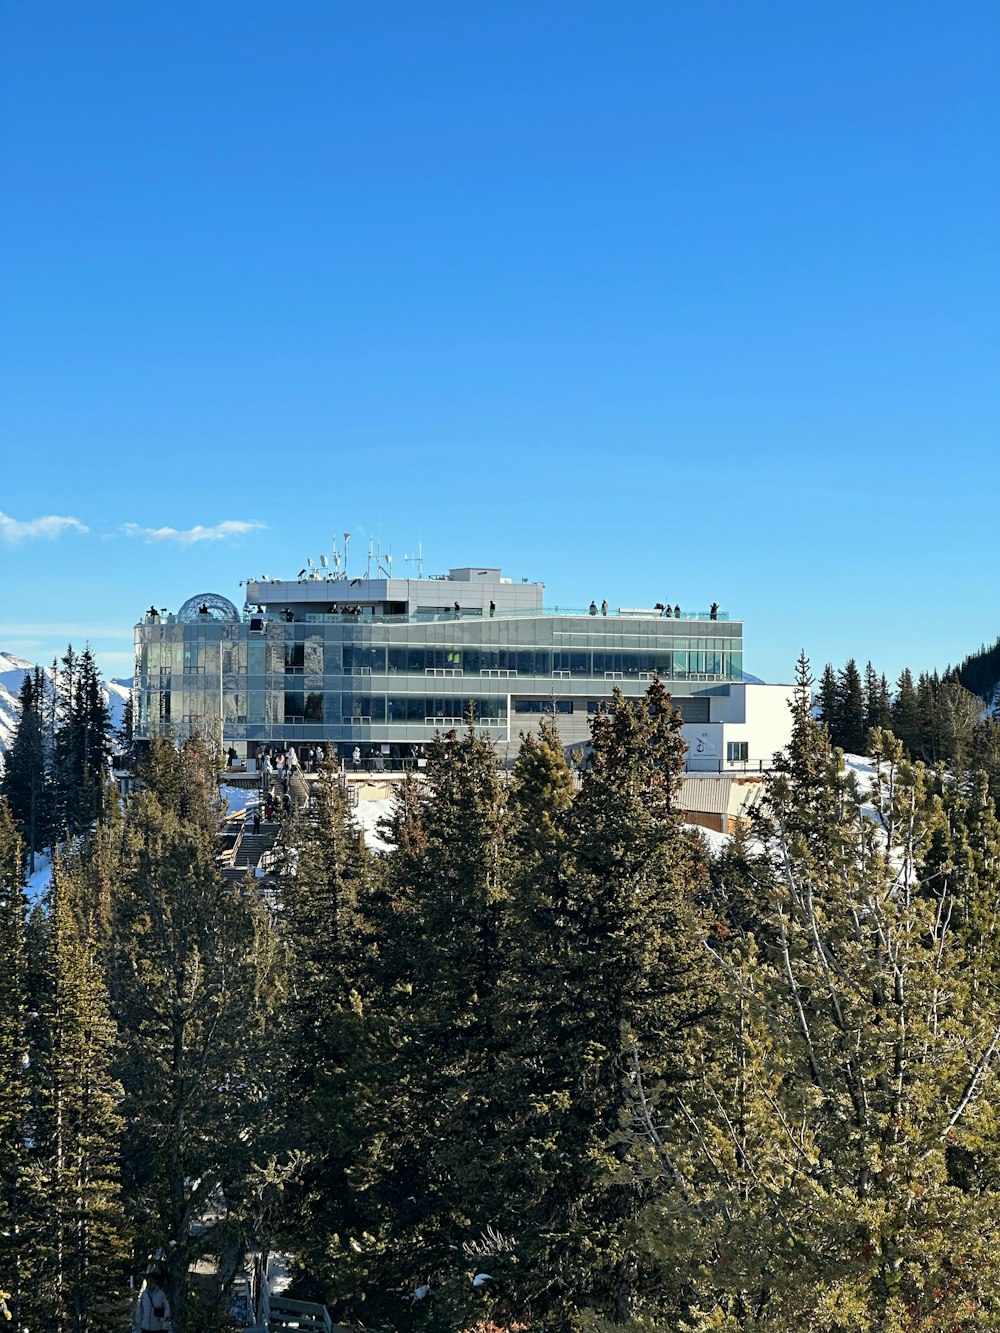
(418, 558)
(347, 538)
(323, 560)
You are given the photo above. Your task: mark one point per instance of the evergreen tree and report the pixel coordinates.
(624, 1026)
(79, 1125)
(83, 741)
(878, 712)
(194, 982)
(21, 1199)
(865, 1161)
(828, 703)
(541, 793)
(440, 959)
(851, 707)
(126, 732)
(906, 713)
(26, 783)
(956, 714)
(326, 1050)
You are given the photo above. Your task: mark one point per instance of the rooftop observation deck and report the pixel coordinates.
(356, 612)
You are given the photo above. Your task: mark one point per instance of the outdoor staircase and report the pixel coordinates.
(241, 849)
(275, 1312)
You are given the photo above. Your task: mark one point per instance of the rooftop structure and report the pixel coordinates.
(371, 668)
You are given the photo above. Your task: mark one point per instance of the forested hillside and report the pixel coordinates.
(980, 672)
(938, 718)
(545, 1065)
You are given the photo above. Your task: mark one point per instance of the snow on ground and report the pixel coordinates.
(38, 883)
(715, 841)
(238, 798)
(863, 768)
(367, 815)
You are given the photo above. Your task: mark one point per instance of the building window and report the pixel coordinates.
(737, 752)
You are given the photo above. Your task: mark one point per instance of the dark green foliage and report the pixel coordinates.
(82, 742)
(624, 1011)
(828, 701)
(21, 1195)
(906, 720)
(980, 672)
(851, 709)
(541, 1038)
(26, 783)
(440, 1038)
(126, 731)
(325, 1053)
(193, 981)
(878, 707)
(78, 1125)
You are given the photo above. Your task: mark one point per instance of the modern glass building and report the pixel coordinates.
(380, 665)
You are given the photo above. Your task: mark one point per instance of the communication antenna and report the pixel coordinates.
(347, 538)
(371, 552)
(324, 562)
(418, 559)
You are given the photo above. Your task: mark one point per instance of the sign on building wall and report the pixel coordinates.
(703, 746)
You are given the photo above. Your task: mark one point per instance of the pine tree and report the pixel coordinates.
(906, 714)
(26, 782)
(326, 1049)
(126, 732)
(79, 1125)
(194, 982)
(541, 793)
(869, 1172)
(851, 707)
(878, 713)
(83, 741)
(436, 977)
(623, 1029)
(21, 1199)
(828, 702)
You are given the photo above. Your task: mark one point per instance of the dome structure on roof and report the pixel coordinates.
(208, 606)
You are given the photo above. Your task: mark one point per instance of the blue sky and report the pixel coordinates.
(694, 301)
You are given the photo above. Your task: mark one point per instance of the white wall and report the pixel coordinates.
(766, 721)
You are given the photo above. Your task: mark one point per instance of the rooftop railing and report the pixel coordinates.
(366, 616)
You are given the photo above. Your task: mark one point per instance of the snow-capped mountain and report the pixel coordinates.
(12, 671)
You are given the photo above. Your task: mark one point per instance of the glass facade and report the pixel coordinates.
(291, 674)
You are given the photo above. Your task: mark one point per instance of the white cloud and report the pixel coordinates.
(50, 525)
(230, 527)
